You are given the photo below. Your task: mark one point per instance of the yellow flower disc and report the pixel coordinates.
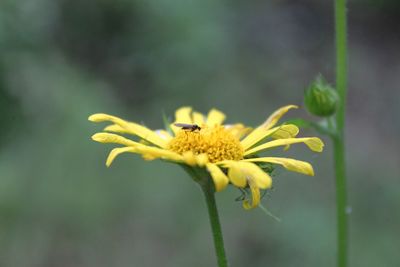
(217, 142)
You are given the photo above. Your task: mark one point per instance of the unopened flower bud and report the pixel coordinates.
(321, 98)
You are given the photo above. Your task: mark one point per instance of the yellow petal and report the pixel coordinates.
(195, 160)
(236, 175)
(164, 134)
(151, 153)
(132, 128)
(256, 174)
(189, 158)
(182, 115)
(198, 118)
(275, 117)
(261, 133)
(286, 131)
(201, 159)
(238, 130)
(255, 197)
(314, 143)
(239, 173)
(100, 117)
(218, 176)
(289, 164)
(113, 138)
(115, 128)
(264, 130)
(215, 117)
(148, 153)
(115, 152)
(252, 175)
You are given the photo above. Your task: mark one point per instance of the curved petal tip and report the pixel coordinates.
(97, 117)
(315, 144)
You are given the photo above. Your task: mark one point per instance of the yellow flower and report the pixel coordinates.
(229, 153)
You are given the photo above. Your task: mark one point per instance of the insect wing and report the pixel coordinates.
(183, 125)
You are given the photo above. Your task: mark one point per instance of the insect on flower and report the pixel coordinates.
(189, 127)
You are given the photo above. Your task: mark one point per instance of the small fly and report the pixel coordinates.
(188, 127)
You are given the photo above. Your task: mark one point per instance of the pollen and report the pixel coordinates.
(216, 142)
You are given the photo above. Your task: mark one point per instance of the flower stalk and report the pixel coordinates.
(338, 139)
(334, 126)
(207, 187)
(208, 190)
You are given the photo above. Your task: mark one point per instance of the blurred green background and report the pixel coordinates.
(62, 60)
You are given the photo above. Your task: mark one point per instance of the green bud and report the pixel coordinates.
(321, 98)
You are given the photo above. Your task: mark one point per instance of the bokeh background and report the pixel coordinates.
(61, 60)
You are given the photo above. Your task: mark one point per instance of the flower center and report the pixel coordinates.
(217, 142)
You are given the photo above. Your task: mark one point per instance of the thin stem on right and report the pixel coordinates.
(338, 139)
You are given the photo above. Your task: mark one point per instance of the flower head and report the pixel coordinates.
(320, 98)
(229, 153)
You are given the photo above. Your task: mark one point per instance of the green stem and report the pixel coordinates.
(208, 191)
(341, 202)
(338, 140)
